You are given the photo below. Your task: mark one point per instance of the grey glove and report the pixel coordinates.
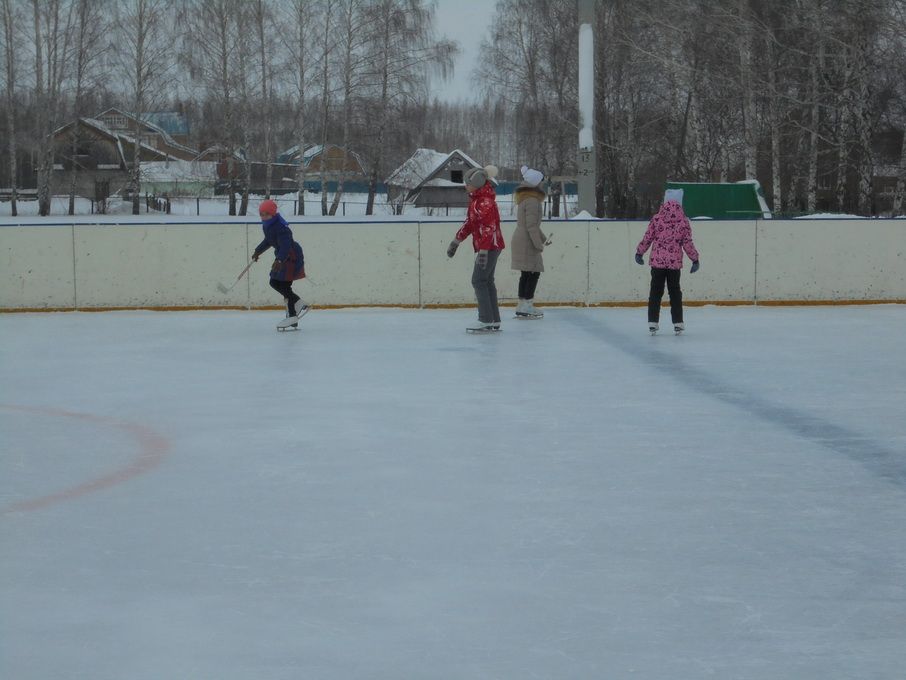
(694, 267)
(451, 249)
(639, 259)
(482, 259)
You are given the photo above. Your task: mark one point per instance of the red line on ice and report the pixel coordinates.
(153, 448)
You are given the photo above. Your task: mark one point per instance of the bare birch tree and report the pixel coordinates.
(261, 18)
(402, 51)
(53, 36)
(352, 41)
(145, 58)
(8, 20)
(299, 48)
(90, 26)
(214, 34)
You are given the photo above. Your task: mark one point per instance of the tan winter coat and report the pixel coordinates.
(528, 239)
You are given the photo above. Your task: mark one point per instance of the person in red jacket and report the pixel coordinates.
(483, 223)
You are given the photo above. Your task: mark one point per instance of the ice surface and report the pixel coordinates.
(381, 495)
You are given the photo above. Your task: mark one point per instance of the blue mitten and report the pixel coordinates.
(639, 259)
(694, 267)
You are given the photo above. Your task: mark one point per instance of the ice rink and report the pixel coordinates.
(194, 496)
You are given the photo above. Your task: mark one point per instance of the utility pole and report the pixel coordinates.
(586, 178)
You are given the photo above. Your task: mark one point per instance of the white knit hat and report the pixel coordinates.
(674, 195)
(533, 177)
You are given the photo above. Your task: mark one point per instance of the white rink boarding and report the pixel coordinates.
(171, 263)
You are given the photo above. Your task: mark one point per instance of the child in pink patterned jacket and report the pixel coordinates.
(669, 234)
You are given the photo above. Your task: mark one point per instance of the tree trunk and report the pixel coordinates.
(774, 113)
(814, 121)
(747, 84)
(899, 196)
(382, 118)
(10, 58)
(301, 37)
(864, 123)
(265, 98)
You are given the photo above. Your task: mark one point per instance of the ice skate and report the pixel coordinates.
(652, 328)
(290, 323)
(301, 308)
(527, 310)
(678, 328)
(483, 328)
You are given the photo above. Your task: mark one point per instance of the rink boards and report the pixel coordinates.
(171, 264)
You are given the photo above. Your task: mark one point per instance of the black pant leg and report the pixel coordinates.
(523, 281)
(676, 295)
(531, 282)
(656, 294)
(285, 288)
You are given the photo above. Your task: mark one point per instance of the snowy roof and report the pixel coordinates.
(179, 171)
(291, 155)
(422, 165)
(171, 122)
(146, 121)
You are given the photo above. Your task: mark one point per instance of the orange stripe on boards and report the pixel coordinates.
(153, 448)
(467, 305)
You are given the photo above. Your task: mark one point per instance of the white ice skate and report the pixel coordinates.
(652, 328)
(527, 310)
(678, 328)
(484, 328)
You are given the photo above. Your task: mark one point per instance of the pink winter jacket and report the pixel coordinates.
(671, 234)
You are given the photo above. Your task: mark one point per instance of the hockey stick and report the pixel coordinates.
(226, 289)
(550, 239)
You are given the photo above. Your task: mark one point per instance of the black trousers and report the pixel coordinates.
(285, 288)
(671, 277)
(527, 283)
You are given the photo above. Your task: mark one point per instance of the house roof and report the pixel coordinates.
(291, 155)
(171, 122)
(146, 121)
(179, 171)
(423, 165)
(120, 138)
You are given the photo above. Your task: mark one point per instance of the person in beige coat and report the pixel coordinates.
(528, 240)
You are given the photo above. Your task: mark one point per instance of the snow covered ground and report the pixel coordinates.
(381, 495)
(352, 205)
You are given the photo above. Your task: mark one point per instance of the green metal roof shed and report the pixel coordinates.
(723, 200)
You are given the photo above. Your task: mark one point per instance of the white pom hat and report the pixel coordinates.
(533, 177)
(674, 195)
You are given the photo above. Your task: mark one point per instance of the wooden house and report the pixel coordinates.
(431, 179)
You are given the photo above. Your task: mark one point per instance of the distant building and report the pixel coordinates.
(98, 154)
(336, 160)
(151, 133)
(431, 179)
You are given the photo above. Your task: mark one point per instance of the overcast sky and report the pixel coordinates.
(466, 22)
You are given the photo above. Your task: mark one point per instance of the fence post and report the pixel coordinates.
(344, 208)
(197, 206)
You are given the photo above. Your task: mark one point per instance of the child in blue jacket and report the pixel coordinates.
(289, 261)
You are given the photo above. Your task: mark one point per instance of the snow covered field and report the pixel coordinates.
(381, 495)
(352, 205)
